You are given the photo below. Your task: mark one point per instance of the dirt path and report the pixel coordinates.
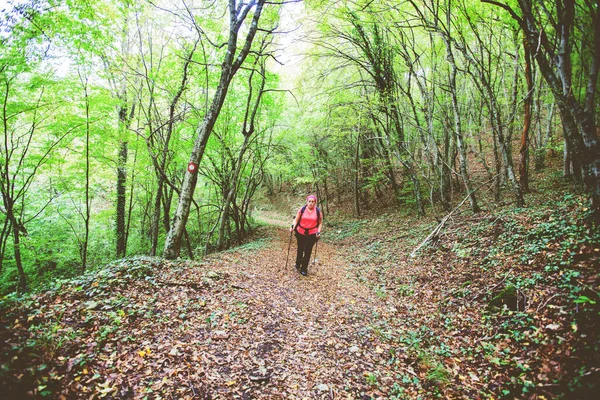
(309, 335)
(367, 323)
(237, 325)
(296, 337)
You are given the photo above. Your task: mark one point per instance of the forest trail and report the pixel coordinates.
(368, 322)
(305, 337)
(236, 325)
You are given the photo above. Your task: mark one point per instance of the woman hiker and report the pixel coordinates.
(307, 225)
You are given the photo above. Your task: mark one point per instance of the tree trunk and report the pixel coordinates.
(86, 219)
(131, 193)
(524, 148)
(542, 138)
(457, 129)
(121, 199)
(224, 221)
(156, 216)
(228, 69)
(356, 175)
(6, 228)
(573, 146)
(567, 163)
(23, 287)
(445, 173)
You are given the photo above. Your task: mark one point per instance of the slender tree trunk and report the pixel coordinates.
(166, 202)
(23, 286)
(573, 147)
(505, 150)
(131, 193)
(445, 173)
(498, 167)
(357, 174)
(524, 148)
(542, 138)
(508, 164)
(156, 216)
(567, 162)
(3, 240)
(457, 129)
(224, 220)
(86, 219)
(228, 69)
(121, 198)
(188, 244)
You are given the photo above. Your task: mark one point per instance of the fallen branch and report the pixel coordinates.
(541, 306)
(434, 233)
(439, 227)
(195, 286)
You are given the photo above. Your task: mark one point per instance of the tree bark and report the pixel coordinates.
(554, 62)
(229, 67)
(356, 175)
(17, 254)
(524, 148)
(121, 198)
(86, 218)
(457, 129)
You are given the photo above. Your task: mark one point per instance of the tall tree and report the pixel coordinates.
(248, 128)
(549, 27)
(117, 63)
(527, 118)
(233, 60)
(29, 109)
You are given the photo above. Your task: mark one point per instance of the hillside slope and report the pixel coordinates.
(500, 305)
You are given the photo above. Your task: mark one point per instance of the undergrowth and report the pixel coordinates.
(519, 289)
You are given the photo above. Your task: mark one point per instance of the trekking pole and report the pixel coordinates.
(288, 253)
(315, 257)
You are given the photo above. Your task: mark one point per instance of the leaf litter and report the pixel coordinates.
(368, 322)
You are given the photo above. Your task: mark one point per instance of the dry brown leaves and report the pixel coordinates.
(368, 322)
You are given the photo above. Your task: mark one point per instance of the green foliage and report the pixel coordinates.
(254, 245)
(345, 228)
(555, 237)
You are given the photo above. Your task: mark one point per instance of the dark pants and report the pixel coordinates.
(305, 246)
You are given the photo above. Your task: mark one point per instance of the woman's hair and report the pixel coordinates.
(311, 196)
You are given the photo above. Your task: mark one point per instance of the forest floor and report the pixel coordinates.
(476, 314)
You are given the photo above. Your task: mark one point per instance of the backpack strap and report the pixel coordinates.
(304, 209)
(302, 213)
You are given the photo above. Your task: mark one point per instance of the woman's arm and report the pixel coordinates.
(295, 221)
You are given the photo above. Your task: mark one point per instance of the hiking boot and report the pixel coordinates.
(303, 272)
(297, 268)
